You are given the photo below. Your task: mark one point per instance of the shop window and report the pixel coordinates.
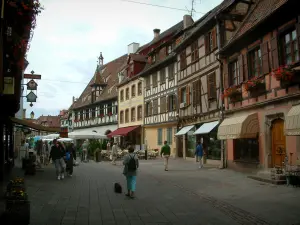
(213, 147)
(246, 150)
(290, 51)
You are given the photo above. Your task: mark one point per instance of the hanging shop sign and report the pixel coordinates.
(32, 85)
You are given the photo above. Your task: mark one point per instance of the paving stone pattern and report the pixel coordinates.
(162, 197)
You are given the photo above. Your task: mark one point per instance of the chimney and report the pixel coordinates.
(187, 21)
(133, 47)
(156, 32)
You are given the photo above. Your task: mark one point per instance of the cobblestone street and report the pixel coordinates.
(183, 195)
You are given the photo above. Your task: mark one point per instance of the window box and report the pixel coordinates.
(233, 93)
(255, 87)
(286, 75)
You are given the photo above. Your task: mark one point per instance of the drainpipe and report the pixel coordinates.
(223, 152)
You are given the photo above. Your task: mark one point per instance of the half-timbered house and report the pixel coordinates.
(96, 110)
(160, 92)
(261, 81)
(199, 79)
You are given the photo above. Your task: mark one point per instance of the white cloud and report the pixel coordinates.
(71, 34)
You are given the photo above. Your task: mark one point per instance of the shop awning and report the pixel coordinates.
(123, 131)
(184, 130)
(34, 126)
(244, 126)
(206, 128)
(292, 121)
(98, 132)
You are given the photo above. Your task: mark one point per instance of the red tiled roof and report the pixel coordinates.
(28, 123)
(110, 71)
(261, 11)
(48, 121)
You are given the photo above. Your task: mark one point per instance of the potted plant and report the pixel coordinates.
(255, 86)
(234, 93)
(286, 75)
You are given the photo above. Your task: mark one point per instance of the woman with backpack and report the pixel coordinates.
(70, 157)
(131, 164)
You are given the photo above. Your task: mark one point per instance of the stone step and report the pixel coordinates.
(267, 180)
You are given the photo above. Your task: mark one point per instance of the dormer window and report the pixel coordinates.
(169, 49)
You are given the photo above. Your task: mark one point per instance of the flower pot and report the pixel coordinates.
(235, 97)
(257, 90)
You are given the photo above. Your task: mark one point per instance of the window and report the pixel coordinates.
(122, 95)
(197, 92)
(211, 86)
(159, 136)
(255, 63)
(169, 136)
(171, 103)
(133, 91)
(154, 80)
(140, 113)
(93, 112)
(132, 114)
(194, 51)
(76, 115)
(153, 58)
(140, 89)
(122, 117)
(290, 51)
(81, 116)
(87, 113)
(155, 106)
(147, 83)
(127, 116)
(246, 150)
(212, 145)
(93, 96)
(210, 41)
(171, 72)
(162, 105)
(169, 49)
(127, 93)
(101, 110)
(109, 108)
(183, 95)
(149, 109)
(163, 76)
(234, 74)
(182, 60)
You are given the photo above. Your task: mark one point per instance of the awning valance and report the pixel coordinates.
(34, 126)
(123, 131)
(244, 126)
(184, 130)
(292, 121)
(206, 128)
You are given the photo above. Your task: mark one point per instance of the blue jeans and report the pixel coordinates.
(131, 183)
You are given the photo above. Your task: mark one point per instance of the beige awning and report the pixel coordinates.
(292, 121)
(244, 126)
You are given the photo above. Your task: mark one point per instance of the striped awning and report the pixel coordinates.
(236, 127)
(292, 121)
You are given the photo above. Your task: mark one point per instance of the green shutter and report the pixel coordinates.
(159, 136)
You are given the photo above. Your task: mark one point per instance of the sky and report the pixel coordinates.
(70, 35)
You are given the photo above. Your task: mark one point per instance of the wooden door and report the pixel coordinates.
(278, 143)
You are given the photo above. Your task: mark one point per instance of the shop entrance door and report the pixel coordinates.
(278, 143)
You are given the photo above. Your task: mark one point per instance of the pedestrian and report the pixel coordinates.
(165, 152)
(56, 154)
(199, 154)
(131, 164)
(114, 153)
(85, 150)
(70, 157)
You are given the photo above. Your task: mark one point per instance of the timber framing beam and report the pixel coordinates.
(232, 17)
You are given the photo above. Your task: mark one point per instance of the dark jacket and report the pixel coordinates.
(165, 150)
(72, 152)
(56, 152)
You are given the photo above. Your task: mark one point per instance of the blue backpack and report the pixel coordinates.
(68, 155)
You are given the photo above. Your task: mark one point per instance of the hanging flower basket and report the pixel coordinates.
(255, 87)
(234, 93)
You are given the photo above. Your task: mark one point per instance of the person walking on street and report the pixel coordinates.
(114, 152)
(199, 154)
(165, 152)
(85, 150)
(56, 154)
(70, 157)
(131, 164)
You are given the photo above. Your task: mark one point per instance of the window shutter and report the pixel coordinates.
(241, 68)
(167, 104)
(265, 57)
(199, 92)
(206, 44)
(187, 94)
(225, 75)
(195, 93)
(214, 38)
(298, 34)
(274, 51)
(246, 71)
(179, 95)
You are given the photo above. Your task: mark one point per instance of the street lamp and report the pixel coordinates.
(32, 115)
